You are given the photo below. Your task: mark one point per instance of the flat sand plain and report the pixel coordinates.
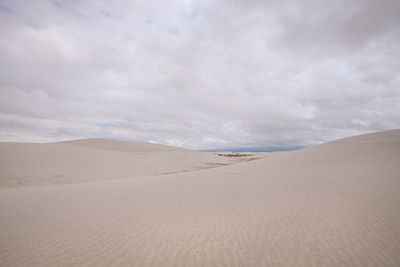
(111, 203)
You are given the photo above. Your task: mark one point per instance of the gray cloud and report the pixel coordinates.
(199, 74)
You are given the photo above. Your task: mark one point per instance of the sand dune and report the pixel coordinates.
(26, 164)
(336, 204)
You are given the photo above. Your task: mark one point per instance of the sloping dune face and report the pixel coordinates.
(336, 204)
(127, 146)
(26, 164)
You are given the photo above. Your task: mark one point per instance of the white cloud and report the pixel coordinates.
(200, 74)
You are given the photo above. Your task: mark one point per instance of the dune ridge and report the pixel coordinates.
(335, 204)
(88, 160)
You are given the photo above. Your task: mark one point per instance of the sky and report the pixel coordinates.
(199, 74)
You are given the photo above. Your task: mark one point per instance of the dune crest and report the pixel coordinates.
(88, 160)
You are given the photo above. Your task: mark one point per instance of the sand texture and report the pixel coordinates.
(335, 204)
(26, 164)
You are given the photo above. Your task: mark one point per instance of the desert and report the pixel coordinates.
(334, 204)
(193, 133)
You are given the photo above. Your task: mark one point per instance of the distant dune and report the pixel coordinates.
(335, 204)
(26, 164)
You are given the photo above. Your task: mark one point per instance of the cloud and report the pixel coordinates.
(199, 74)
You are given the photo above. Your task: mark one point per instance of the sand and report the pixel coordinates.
(27, 164)
(335, 204)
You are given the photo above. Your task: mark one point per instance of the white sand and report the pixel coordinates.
(25, 164)
(336, 204)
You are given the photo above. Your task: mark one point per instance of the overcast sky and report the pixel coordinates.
(199, 74)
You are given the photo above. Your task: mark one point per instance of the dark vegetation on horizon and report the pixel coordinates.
(254, 149)
(234, 154)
